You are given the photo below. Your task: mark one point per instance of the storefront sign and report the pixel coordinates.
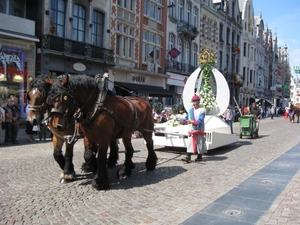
(176, 80)
(137, 78)
(79, 67)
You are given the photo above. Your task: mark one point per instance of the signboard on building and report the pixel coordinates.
(79, 67)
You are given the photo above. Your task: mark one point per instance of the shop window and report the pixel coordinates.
(12, 64)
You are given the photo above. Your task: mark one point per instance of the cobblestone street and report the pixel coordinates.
(30, 192)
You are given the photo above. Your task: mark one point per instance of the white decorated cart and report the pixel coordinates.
(217, 131)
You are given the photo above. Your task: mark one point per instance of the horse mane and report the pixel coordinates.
(75, 82)
(39, 83)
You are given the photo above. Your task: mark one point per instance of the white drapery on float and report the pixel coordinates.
(217, 131)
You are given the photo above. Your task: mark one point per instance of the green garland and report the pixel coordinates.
(208, 100)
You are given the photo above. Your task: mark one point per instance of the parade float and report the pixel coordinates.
(212, 87)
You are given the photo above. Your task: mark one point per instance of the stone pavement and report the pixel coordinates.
(222, 189)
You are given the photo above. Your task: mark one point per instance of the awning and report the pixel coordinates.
(152, 91)
(268, 101)
(20, 36)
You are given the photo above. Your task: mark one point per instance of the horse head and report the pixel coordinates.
(36, 97)
(70, 96)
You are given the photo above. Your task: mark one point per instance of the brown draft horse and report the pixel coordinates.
(104, 117)
(36, 96)
(294, 111)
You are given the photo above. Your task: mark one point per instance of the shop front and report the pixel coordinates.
(17, 63)
(141, 83)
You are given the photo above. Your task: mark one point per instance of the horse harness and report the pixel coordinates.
(98, 107)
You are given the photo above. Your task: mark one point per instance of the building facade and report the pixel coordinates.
(138, 36)
(182, 47)
(17, 47)
(149, 48)
(229, 45)
(74, 38)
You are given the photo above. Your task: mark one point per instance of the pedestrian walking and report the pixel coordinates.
(272, 111)
(196, 142)
(228, 116)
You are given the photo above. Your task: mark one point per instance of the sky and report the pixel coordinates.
(283, 18)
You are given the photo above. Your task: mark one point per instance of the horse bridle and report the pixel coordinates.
(65, 99)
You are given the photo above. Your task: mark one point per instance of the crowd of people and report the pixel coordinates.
(10, 116)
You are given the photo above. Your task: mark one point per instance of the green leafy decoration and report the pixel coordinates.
(208, 100)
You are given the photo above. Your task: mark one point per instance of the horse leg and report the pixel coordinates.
(126, 169)
(113, 155)
(152, 158)
(68, 171)
(90, 151)
(100, 180)
(57, 152)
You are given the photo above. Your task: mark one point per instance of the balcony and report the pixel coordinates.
(177, 67)
(63, 46)
(187, 30)
(17, 25)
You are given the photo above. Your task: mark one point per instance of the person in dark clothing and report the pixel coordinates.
(16, 106)
(11, 117)
(257, 112)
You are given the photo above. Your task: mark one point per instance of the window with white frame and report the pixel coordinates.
(179, 46)
(188, 13)
(203, 25)
(221, 32)
(146, 7)
(57, 24)
(214, 31)
(172, 9)
(15, 7)
(180, 10)
(195, 17)
(78, 23)
(151, 51)
(209, 28)
(187, 53)
(127, 4)
(195, 55)
(125, 41)
(171, 41)
(153, 9)
(98, 28)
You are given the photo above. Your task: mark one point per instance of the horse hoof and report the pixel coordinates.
(111, 164)
(122, 174)
(63, 181)
(98, 187)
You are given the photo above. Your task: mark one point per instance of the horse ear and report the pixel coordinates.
(65, 80)
(48, 80)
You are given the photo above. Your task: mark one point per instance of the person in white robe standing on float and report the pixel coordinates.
(196, 140)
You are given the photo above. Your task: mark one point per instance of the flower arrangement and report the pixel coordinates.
(176, 119)
(207, 59)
